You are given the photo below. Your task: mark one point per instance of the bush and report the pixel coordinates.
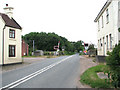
(113, 61)
(69, 53)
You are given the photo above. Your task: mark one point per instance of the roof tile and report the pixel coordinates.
(10, 22)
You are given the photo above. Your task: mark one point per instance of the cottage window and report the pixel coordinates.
(11, 50)
(12, 33)
(107, 16)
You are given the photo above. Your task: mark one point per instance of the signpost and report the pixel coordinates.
(57, 48)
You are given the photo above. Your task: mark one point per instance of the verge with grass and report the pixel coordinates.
(91, 78)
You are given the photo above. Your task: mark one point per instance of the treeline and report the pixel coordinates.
(47, 41)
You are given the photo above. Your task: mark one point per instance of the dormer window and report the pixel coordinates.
(12, 33)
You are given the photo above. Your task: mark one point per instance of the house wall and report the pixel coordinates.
(10, 41)
(1, 39)
(119, 37)
(108, 28)
(119, 20)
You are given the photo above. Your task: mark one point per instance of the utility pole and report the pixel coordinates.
(33, 46)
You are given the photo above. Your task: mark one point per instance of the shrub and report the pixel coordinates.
(113, 61)
(119, 29)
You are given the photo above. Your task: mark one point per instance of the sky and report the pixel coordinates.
(72, 19)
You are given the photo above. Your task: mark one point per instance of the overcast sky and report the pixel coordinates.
(73, 19)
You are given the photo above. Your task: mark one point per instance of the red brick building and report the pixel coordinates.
(25, 48)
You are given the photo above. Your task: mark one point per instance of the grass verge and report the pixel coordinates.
(91, 78)
(46, 56)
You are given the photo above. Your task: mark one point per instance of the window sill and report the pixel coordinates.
(12, 57)
(107, 22)
(13, 39)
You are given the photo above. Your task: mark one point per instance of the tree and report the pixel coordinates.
(78, 46)
(91, 50)
(91, 47)
(46, 41)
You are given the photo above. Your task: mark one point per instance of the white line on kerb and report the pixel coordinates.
(26, 78)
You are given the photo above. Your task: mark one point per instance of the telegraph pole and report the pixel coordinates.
(33, 46)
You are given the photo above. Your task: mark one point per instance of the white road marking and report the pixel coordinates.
(26, 78)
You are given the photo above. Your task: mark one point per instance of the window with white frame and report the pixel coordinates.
(102, 22)
(98, 25)
(100, 44)
(11, 33)
(107, 42)
(107, 16)
(12, 50)
(110, 41)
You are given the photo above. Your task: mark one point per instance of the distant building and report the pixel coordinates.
(10, 38)
(108, 25)
(25, 48)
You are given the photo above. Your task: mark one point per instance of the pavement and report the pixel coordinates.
(26, 61)
(60, 72)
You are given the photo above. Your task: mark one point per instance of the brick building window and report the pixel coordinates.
(11, 50)
(12, 33)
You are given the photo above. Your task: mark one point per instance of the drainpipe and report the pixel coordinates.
(3, 47)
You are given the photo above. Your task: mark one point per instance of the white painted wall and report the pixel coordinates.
(109, 28)
(1, 38)
(119, 20)
(9, 41)
(119, 36)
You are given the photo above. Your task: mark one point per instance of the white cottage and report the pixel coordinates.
(108, 24)
(10, 38)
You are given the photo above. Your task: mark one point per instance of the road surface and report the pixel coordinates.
(61, 72)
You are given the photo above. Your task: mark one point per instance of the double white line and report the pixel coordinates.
(26, 78)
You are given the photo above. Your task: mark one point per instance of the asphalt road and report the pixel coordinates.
(61, 72)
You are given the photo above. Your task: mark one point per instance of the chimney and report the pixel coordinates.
(9, 11)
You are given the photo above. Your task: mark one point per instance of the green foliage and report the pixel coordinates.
(46, 42)
(92, 51)
(68, 53)
(91, 47)
(113, 61)
(78, 46)
(119, 29)
(91, 78)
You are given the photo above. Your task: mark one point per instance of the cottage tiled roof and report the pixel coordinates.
(10, 22)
